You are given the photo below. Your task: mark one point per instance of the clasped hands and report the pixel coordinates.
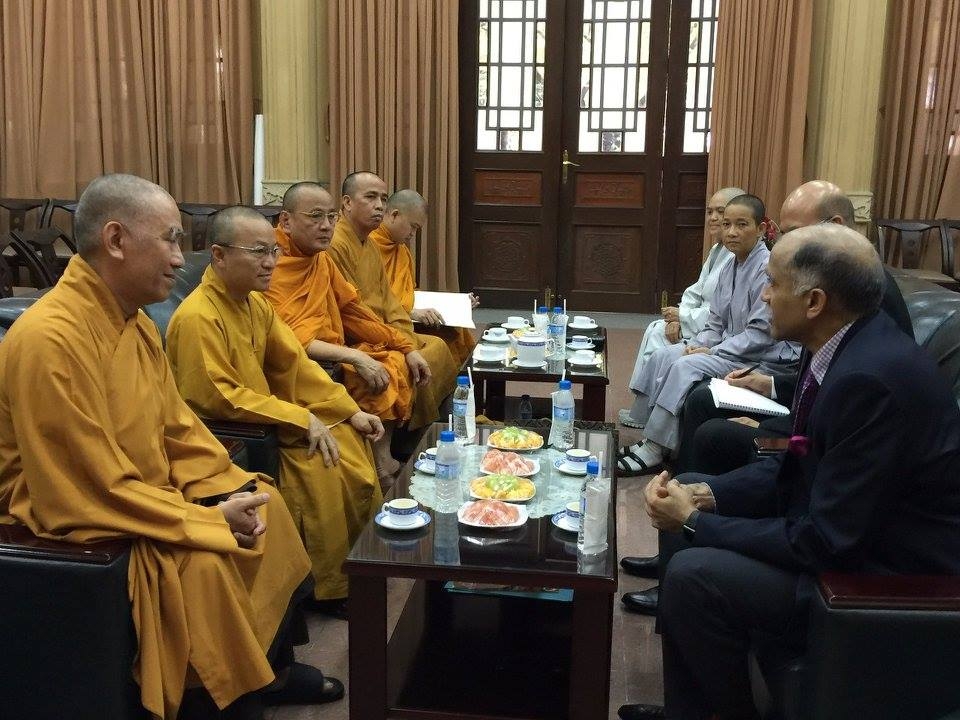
(240, 510)
(669, 503)
(320, 438)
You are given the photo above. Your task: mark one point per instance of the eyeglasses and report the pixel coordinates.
(261, 251)
(174, 236)
(317, 215)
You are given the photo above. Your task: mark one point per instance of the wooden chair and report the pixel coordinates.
(23, 213)
(270, 212)
(197, 219)
(901, 244)
(52, 247)
(16, 254)
(950, 232)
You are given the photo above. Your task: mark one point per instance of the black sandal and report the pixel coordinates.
(624, 469)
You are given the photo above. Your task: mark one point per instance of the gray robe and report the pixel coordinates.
(737, 333)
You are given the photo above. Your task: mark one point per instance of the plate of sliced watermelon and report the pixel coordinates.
(505, 462)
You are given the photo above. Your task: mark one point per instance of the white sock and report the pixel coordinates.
(650, 453)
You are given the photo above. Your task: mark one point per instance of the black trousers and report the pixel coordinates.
(715, 605)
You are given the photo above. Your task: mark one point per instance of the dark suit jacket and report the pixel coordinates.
(879, 490)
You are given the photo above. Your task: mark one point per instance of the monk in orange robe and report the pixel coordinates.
(382, 366)
(361, 211)
(405, 214)
(96, 443)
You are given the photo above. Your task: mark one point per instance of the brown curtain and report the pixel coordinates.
(159, 88)
(918, 168)
(393, 110)
(760, 98)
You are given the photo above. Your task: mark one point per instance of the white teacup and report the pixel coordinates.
(577, 459)
(532, 348)
(583, 320)
(429, 455)
(572, 512)
(582, 341)
(495, 333)
(517, 321)
(584, 357)
(402, 511)
(488, 352)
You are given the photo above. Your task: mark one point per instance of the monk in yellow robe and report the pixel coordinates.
(96, 443)
(382, 367)
(234, 359)
(404, 215)
(361, 211)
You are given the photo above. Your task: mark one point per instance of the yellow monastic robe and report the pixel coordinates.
(238, 361)
(360, 263)
(95, 442)
(398, 265)
(312, 297)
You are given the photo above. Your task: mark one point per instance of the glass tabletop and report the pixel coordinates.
(502, 360)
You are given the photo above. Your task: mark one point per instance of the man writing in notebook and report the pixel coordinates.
(855, 493)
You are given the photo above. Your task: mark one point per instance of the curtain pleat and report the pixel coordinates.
(760, 98)
(394, 110)
(159, 88)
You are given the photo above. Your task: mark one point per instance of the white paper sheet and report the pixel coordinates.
(455, 308)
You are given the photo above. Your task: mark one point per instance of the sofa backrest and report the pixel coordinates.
(188, 277)
(935, 314)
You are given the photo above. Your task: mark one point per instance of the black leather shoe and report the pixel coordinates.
(640, 712)
(643, 601)
(641, 566)
(336, 608)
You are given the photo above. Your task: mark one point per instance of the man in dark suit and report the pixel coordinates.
(871, 483)
(710, 440)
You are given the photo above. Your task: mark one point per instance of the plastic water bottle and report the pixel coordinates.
(525, 411)
(449, 461)
(541, 319)
(561, 429)
(592, 538)
(593, 469)
(558, 333)
(463, 413)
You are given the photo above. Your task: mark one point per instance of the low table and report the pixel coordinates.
(465, 653)
(490, 379)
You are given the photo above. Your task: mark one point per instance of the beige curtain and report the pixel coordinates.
(918, 169)
(159, 88)
(393, 110)
(760, 98)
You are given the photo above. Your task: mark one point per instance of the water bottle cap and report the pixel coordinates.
(542, 310)
(565, 384)
(463, 380)
(593, 467)
(558, 309)
(447, 436)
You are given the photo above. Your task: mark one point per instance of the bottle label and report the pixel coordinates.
(460, 407)
(560, 413)
(447, 471)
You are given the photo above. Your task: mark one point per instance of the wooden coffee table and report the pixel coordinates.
(459, 654)
(490, 379)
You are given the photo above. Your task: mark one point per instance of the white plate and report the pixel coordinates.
(525, 500)
(425, 466)
(574, 346)
(536, 466)
(542, 365)
(384, 521)
(564, 523)
(521, 518)
(478, 358)
(583, 327)
(491, 338)
(512, 326)
(561, 465)
(589, 363)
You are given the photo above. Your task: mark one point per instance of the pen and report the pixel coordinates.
(747, 371)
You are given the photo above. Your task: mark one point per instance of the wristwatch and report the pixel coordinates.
(690, 525)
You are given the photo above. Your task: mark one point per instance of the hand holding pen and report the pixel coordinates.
(747, 378)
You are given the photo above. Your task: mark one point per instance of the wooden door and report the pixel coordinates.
(571, 156)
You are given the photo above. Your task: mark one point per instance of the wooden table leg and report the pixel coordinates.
(590, 661)
(496, 396)
(479, 395)
(368, 647)
(594, 402)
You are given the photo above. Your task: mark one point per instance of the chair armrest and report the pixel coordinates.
(334, 370)
(891, 592)
(261, 442)
(18, 541)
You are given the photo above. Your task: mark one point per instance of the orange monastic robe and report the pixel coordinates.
(312, 297)
(359, 261)
(95, 443)
(398, 264)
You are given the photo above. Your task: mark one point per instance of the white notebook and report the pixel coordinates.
(728, 397)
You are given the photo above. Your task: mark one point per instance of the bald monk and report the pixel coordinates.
(234, 359)
(381, 365)
(364, 196)
(96, 443)
(405, 214)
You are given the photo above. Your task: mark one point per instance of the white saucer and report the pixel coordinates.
(563, 522)
(384, 521)
(477, 358)
(578, 363)
(425, 466)
(542, 365)
(583, 327)
(491, 338)
(511, 326)
(574, 346)
(561, 465)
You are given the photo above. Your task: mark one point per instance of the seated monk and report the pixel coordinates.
(96, 443)
(327, 474)
(406, 213)
(361, 210)
(381, 365)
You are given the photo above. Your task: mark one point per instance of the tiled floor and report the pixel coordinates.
(635, 652)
